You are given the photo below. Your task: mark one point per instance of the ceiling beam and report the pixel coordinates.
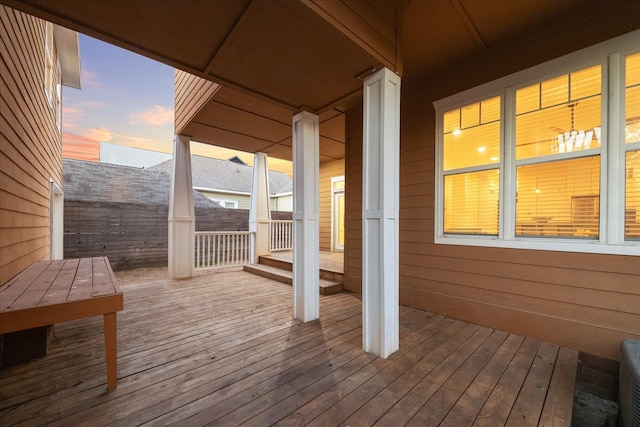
(462, 13)
(237, 27)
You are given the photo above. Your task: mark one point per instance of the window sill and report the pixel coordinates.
(545, 244)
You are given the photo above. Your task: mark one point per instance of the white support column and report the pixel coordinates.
(380, 205)
(306, 159)
(182, 222)
(260, 212)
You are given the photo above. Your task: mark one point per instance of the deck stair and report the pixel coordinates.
(281, 271)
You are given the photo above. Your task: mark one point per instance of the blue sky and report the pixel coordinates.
(125, 98)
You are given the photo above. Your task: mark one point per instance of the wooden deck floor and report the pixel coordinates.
(222, 350)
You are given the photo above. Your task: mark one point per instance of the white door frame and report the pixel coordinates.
(335, 246)
(56, 221)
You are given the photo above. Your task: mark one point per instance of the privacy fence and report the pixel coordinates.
(136, 235)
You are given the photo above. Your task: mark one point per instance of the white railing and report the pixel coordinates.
(281, 235)
(216, 249)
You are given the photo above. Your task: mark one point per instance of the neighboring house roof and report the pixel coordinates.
(102, 182)
(238, 160)
(286, 189)
(226, 175)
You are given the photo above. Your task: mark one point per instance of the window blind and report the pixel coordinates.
(559, 199)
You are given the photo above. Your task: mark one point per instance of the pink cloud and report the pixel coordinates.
(90, 79)
(99, 134)
(156, 116)
(70, 117)
(106, 135)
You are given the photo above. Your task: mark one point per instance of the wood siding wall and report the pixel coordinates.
(191, 94)
(281, 203)
(30, 144)
(583, 301)
(244, 202)
(353, 206)
(328, 170)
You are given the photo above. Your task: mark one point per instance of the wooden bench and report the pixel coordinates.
(50, 292)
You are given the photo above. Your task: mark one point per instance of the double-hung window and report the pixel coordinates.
(548, 158)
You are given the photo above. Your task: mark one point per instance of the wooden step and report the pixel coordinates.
(333, 276)
(270, 272)
(272, 262)
(327, 287)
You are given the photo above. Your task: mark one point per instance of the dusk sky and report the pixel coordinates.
(125, 99)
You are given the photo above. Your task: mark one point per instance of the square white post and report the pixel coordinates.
(306, 158)
(260, 212)
(380, 205)
(182, 224)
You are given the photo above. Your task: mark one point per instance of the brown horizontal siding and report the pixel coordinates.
(328, 170)
(29, 144)
(353, 205)
(25, 97)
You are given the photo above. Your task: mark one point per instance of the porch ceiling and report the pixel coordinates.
(274, 58)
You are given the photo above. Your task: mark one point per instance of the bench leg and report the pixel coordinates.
(110, 347)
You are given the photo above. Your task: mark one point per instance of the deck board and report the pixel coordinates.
(222, 349)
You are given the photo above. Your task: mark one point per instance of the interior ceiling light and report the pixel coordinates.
(574, 140)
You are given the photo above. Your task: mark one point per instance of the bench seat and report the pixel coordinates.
(50, 292)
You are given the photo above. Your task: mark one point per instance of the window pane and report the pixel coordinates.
(528, 99)
(559, 199)
(632, 209)
(555, 91)
(471, 203)
(470, 116)
(568, 119)
(586, 83)
(632, 97)
(475, 139)
(451, 121)
(633, 70)
(490, 110)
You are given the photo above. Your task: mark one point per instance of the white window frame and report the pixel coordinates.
(52, 76)
(225, 203)
(611, 55)
(48, 63)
